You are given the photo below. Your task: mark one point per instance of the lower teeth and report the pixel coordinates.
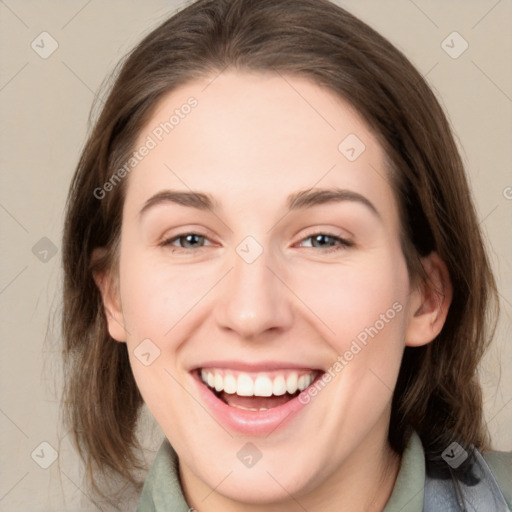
(249, 408)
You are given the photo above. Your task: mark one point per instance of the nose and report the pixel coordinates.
(253, 299)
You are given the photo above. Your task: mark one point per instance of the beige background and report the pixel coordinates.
(44, 106)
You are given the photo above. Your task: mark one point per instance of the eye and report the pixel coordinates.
(186, 241)
(327, 242)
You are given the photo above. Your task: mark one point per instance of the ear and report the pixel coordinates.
(108, 286)
(429, 303)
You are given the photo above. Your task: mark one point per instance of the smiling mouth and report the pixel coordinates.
(256, 391)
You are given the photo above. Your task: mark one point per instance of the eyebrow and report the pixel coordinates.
(314, 197)
(296, 201)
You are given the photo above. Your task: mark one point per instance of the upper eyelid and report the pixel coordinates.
(168, 240)
(327, 233)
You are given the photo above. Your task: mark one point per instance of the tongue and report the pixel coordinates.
(255, 402)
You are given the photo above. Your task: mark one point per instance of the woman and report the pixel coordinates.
(267, 243)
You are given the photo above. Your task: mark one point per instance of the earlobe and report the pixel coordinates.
(429, 303)
(109, 290)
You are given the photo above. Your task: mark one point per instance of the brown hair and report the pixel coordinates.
(437, 392)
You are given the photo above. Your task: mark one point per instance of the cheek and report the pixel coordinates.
(156, 295)
(364, 307)
(356, 298)
(156, 298)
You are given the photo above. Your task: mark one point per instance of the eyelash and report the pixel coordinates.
(343, 244)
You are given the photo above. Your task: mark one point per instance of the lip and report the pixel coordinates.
(254, 367)
(254, 423)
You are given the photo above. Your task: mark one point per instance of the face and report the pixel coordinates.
(262, 285)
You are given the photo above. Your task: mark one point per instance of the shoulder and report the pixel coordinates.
(501, 466)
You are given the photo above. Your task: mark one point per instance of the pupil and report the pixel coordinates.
(189, 237)
(322, 237)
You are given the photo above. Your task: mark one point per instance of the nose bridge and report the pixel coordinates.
(253, 299)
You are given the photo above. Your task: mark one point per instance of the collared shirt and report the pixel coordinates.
(162, 490)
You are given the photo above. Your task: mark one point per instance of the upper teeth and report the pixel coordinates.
(245, 384)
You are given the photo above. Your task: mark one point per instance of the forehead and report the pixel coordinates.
(253, 138)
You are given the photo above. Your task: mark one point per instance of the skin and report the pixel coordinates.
(252, 140)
